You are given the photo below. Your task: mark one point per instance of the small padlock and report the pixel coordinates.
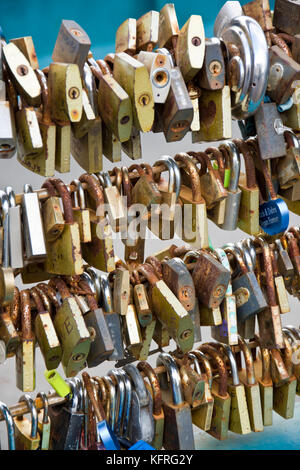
(212, 74)
(26, 431)
(126, 37)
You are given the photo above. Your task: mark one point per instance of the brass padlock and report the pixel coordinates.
(25, 355)
(190, 47)
(81, 213)
(147, 28)
(53, 219)
(64, 253)
(134, 78)
(26, 431)
(126, 37)
(72, 45)
(26, 46)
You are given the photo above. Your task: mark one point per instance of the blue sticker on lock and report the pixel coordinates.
(274, 216)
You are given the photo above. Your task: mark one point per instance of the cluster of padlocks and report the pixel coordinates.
(83, 306)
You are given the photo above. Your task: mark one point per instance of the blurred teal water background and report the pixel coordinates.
(41, 19)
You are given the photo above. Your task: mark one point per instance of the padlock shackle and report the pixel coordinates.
(148, 272)
(219, 156)
(193, 174)
(37, 300)
(204, 360)
(244, 150)
(167, 360)
(288, 356)
(251, 380)
(235, 165)
(50, 293)
(90, 296)
(156, 265)
(117, 172)
(34, 414)
(110, 387)
(14, 308)
(50, 188)
(266, 362)
(102, 389)
(235, 252)
(154, 382)
(98, 408)
(45, 401)
(268, 269)
(120, 385)
(139, 385)
(80, 193)
(295, 332)
(127, 185)
(106, 294)
(166, 162)
(291, 140)
(26, 315)
(60, 285)
(65, 198)
(221, 366)
(11, 196)
(93, 188)
(227, 351)
(120, 373)
(10, 425)
(266, 174)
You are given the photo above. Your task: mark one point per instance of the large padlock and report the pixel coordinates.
(178, 429)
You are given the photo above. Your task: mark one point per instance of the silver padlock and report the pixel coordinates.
(15, 231)
(35, 247)
(270, 131)
(141, 424)
(113, 320)
(233, 200)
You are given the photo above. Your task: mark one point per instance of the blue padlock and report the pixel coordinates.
(141, 445)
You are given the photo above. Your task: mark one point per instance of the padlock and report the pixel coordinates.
(45, 333)
(145, 191)
(288, 167)
(177, 113)
(8, 130)
(112, 319)
(114, 104)
(81, 128)
(65, 88)
(25, 355)
(15, 231)
(249, 297)
(211, 279)
(71, 330)
(141, 300)
(104, 433)
(121, 290)
(226, 332)
(202, 414)
(26, 46)
(44, 422)
(30, 142)
(222, 399)
(159, 68)
(99, 252)
(193, 382)
(178, 429)
(215, 116)
(66, 423)
(72, 44)
(141, 352)
(212, 74)
(115, 207)
(169, 310)
(10, 425)
(180, 281)
(248, 219)
(141, 424)
(284, 262)
(87, 151)
(35, 248)
(263, 375)
(239, 421)
(252, 389)
(131, 325)
(126, 37)
(64, 254)
(194, 216)
(111, 146)
(190, 47)
(134, 78)
(123, 393)
(147, 28)
(163, 223)
(7, 280)
(133, 146)
(248, 68)
(269, 131)
(284, 73)
(212, 186)
(26, 431)
(168, 27)
(233, 200)
(281, 291)
(53, 219)
(273, 214)
(285, 394)
(81, 213)
(158, 413)
(22, 74)
(269, 321)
